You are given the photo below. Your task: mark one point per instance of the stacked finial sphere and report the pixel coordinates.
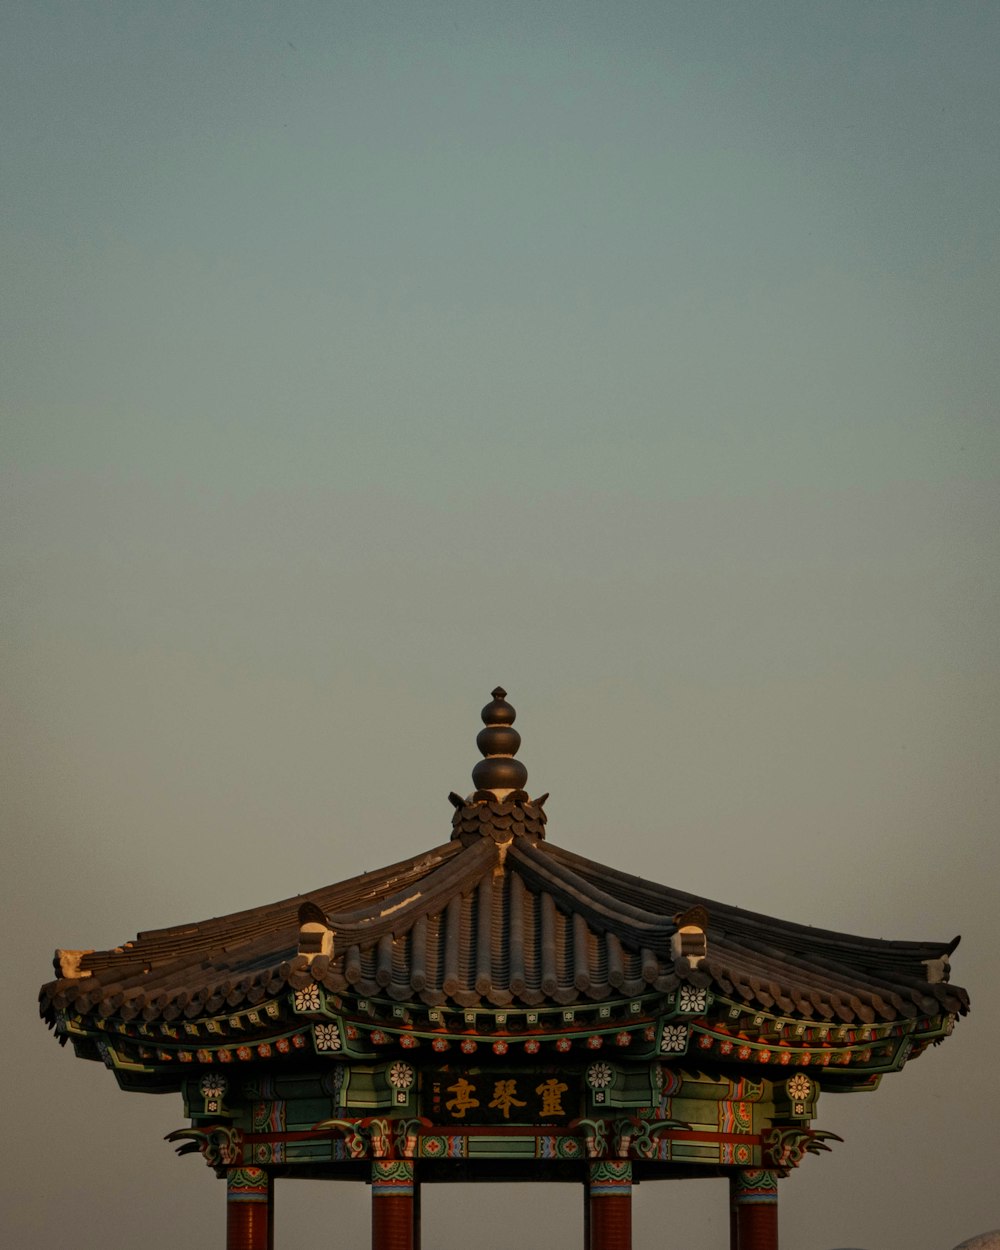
(499, 742)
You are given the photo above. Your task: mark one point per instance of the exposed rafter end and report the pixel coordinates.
(938, 970)
(67, 964)
(315, 935)
(689, 942)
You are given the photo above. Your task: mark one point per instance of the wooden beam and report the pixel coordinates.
(753, 1197)
(610, 1202)
(393, 1207)
(249, 1209)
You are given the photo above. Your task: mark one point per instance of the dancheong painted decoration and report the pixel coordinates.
(499, 1008)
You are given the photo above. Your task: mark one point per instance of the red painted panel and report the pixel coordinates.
(247, 1226)
(756, 1226)
(611, 1223)
(392, 1223)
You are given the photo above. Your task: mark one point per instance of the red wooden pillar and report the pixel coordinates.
(610, 1204)
(393, 1208)
(249, 1209)
(753, 1198)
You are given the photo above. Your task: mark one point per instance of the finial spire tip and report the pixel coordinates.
(498, 742)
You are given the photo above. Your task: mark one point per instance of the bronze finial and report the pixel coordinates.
(498, 742)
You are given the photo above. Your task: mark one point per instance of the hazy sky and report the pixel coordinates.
(641, 357)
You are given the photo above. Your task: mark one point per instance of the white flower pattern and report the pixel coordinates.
(674, 1038)
(307, 999)
(327, 1036)
(213, 1085)
(599, 1075)
(691, 999)
(400, 1075)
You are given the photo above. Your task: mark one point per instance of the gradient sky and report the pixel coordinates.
(641, 357)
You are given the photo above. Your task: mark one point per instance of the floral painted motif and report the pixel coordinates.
(307, 999)
(244, 1052)
(563, 1044)
(595, 1042)
(531, 1046)
(599, 1075)
(674, 1038)
(468, 1046)
(439, 1044)
(327, 1036)
(500, 1048)
(400, 1075)
(691, 999)
(799, 1087)
(408, 1041)
(213, 1085)
(623, 1039)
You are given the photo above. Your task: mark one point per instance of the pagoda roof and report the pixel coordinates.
(499, 916)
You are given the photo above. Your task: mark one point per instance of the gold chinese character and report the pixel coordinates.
(552, 1092)
(504, 1099)
(463, 1100)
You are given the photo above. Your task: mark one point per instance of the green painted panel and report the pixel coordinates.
(305, 1112)
(308, 1152)
(510, 1147)
(694, 1152)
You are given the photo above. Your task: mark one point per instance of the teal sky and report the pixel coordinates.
(639, 356)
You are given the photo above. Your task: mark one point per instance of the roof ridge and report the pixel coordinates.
(601, 909)
(460, 873)
(720, 912)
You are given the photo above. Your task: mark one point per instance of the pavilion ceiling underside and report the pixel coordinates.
(525, 923)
